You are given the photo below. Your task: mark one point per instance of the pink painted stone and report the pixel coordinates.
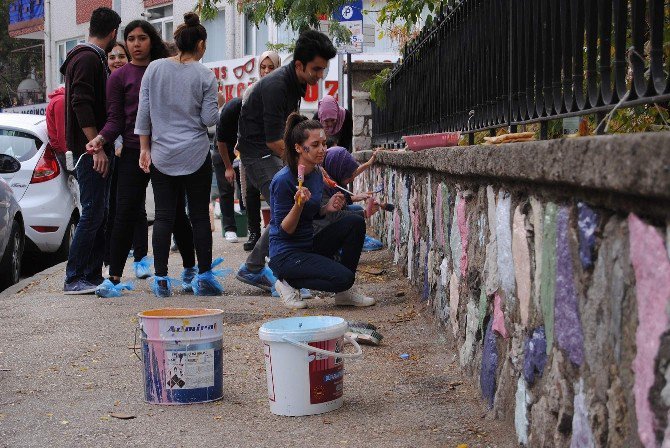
(464, 231)
(499, 317)
(652, 277)
(521, 256)
(439, 227)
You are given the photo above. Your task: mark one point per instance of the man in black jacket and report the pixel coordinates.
(261, 131)
(85, 70)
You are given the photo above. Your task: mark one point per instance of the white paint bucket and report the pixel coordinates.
(305, 364)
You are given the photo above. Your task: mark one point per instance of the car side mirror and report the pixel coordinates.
(9, 164)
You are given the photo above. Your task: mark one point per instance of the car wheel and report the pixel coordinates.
(64, 250)
(10, 265)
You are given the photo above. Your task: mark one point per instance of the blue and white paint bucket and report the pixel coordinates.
(305, 364)
(182, 352)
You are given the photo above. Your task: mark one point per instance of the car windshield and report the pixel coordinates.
(18, 144)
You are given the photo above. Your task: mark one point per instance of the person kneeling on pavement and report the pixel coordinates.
(298, 258)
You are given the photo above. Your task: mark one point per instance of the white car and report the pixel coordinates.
(43, 189)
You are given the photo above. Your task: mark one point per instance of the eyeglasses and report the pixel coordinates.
(248, 67)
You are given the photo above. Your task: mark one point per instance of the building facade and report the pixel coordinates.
(232, 38)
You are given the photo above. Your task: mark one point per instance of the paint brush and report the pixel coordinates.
(301, 178)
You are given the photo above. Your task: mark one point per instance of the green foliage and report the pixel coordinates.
(376, 87)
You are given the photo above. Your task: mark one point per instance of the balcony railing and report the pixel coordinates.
(486, 64)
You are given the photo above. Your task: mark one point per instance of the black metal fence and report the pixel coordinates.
(486, 64)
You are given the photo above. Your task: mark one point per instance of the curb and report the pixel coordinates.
(23, 284)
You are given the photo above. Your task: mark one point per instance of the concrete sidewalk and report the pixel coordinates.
(66, 364)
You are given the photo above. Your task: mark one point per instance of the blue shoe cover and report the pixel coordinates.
(187, 276)
(108, 289)
(143, 267)
(371, 244)
(164, 291)
(206, 284)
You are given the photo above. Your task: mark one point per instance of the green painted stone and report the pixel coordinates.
(548, 275)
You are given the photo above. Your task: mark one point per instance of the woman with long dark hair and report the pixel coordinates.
(298, 258)
(123, 87)
(178, 102)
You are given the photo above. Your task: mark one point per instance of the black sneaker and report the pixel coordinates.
(251, 243)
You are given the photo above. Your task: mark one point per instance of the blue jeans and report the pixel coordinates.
(88, 244)
(317, 269)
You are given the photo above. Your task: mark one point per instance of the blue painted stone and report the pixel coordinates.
(587, 223)
(487, 379)
(535, 356)
(567, 324)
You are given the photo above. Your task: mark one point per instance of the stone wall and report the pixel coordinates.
(547, 265)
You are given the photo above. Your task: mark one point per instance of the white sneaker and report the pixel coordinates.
(231, 237)
(290, 296)
(352, 297)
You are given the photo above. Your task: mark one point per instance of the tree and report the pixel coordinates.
(300, 14)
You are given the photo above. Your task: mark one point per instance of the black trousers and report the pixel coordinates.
(168, 195)
(131, 215)
(226, 197)
(141, 233)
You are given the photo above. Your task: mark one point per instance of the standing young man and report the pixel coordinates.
(85, 70)
(261, 131)
(226, 139)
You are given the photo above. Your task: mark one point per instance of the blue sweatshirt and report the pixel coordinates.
(282, 190)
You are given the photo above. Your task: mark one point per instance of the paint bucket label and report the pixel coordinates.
(325, 372)
(192, 369)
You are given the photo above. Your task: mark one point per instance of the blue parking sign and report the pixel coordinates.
(349, 12)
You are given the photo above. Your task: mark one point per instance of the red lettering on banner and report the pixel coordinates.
(312, 94)
(241, 87)
(332, 89)
(229, 92)
(216, 72)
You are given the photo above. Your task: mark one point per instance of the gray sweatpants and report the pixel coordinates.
(260, 173)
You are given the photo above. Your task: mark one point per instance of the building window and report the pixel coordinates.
(255, 39)
(63, 48)
(216, 38)
(161, 19)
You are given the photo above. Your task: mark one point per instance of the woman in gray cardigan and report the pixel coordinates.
(178, 102)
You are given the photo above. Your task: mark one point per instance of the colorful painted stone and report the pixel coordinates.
(499, 317)
(504, 237)
(535, 356)
(568, 326)
(429, 207)
(455, 239)
(483, 306)
(487, 378)
(521, 256)
(467, 350)
(548, 278)
(582, 436)
(446, 213)
(453, 302)
(587, 223)
(538, 235)
(464, 233)
(426, 284)
(521, 411)
(652, 277)
(439, 228)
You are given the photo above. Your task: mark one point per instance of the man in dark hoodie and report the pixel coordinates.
(85, 70)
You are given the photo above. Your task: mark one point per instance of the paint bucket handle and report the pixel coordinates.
(135, 344)
(309, 348)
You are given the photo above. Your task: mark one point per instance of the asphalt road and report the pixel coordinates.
(67, 365)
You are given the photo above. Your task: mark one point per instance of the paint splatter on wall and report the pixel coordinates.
(504, 237)
(487, 379)
(521, 257)
(548, 278)
(587, 224)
